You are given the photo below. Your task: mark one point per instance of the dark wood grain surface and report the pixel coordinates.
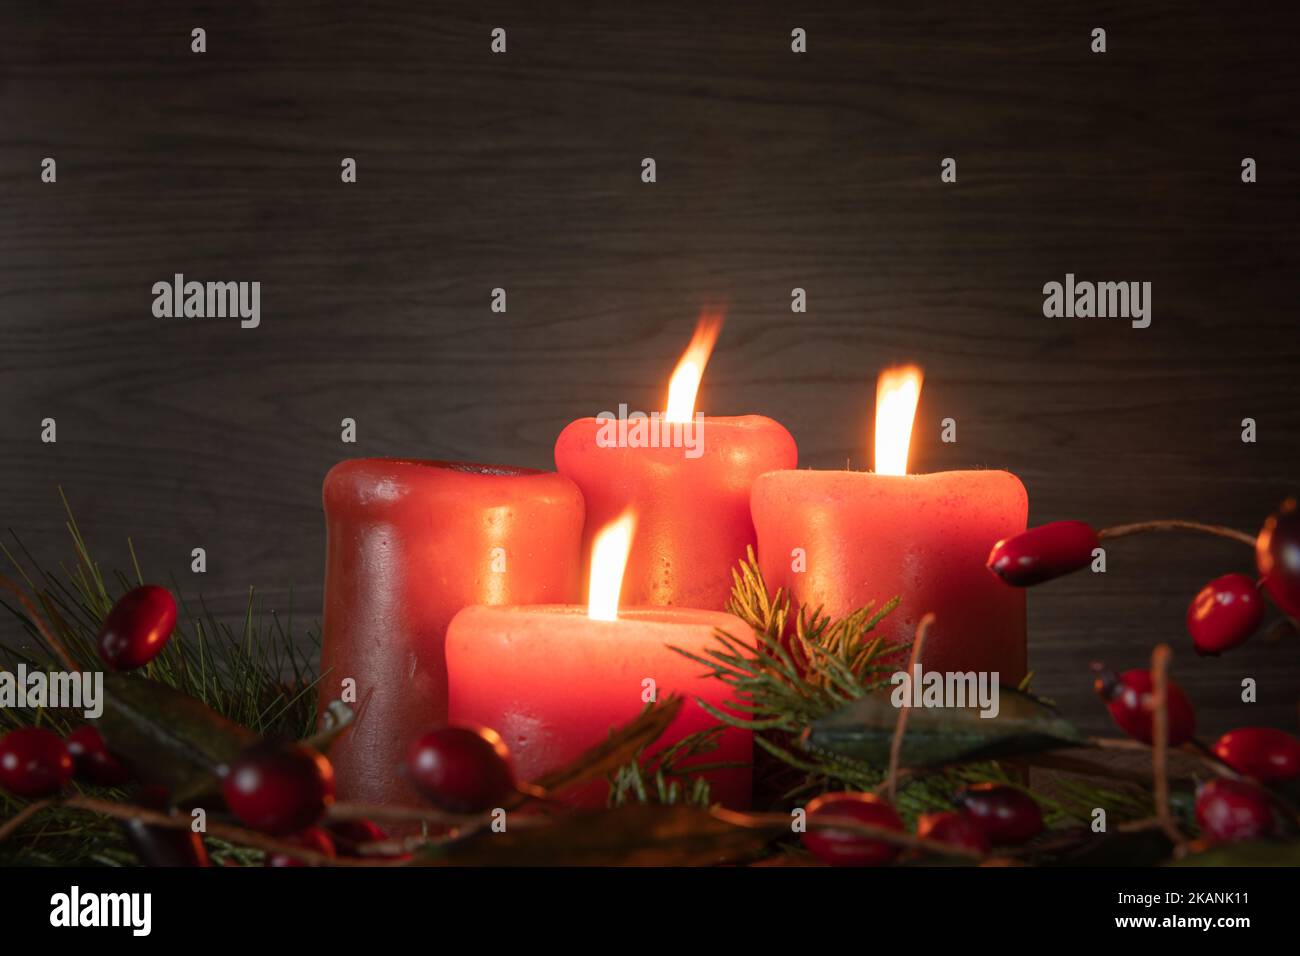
(774, 171)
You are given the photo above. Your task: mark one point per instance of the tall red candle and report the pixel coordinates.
(691, 503)
(840, 539)
(410, 543)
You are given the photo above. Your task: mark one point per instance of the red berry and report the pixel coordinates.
(313, 838)
(94, 763)
(1224, 613)
(351, 835)
(163, 846)
(1277, 555)
(1263, 753)
(461, 769)
(1130, 699)
(1043, 553)
(137, 628)
(844, 847)
(952, 828)
(1003, 814)
(279, 787)
(34, 762)
(1231, 810)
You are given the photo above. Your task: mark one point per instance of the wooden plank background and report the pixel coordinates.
(775, 171)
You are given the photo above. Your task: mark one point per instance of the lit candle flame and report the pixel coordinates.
(897, 392)
(609, 553)
(685, 382)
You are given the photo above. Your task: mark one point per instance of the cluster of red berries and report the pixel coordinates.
(284, 788)
(36, 763)
(1223, 614)
(1227, 810)
(988, 815)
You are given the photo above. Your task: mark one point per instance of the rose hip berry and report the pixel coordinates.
(1224, 614)
(1232, 810)
(1277, 556)
(34, 762)
(351, 835)
(1003, 814)
(954, 829)
(844, 847)
(93, 761)
(461, 769)
(137, 628)
(279, 787)
(1043, 553)
(313, 838)
(1130, 698)
(1263, 753)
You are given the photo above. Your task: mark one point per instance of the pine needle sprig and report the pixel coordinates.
(671, 776)
(258, 673)
(801, 664)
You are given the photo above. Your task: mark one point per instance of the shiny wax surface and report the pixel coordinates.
(925, 538)
(552, 682)
(693, 517)
(410, 543)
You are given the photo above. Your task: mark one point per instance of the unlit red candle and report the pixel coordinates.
(410, 543)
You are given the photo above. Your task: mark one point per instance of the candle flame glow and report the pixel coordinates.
(685, 383)
(897, 392)
(609, 553)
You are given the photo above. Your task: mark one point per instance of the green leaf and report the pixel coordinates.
(864, 730)
(636, 835)
(166, 736)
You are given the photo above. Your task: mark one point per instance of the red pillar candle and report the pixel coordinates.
(409, 544)
(552, 681)
(687, 477)
(841, 539)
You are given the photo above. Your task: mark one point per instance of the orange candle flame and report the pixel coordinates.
(897, 392)
(685, 383)
(609, 553)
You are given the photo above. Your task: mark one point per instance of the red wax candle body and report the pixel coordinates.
(409, 544)
(692, 514)
(553, 681)
(925, 538)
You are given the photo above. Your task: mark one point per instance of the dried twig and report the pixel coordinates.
(1160, 744)
(14, 823)
(781, 821)
(896, 744)
(1173, 524)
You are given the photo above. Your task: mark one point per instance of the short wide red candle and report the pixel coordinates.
(553, 682)
(693, 518)
(924, 538)
(410, 543)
